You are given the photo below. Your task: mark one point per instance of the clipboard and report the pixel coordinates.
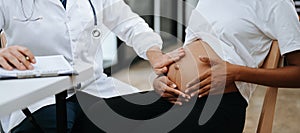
(46, 66)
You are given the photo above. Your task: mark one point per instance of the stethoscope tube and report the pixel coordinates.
(96, 32)
(94, 13)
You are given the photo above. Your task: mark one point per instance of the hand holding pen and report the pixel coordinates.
(18, 57)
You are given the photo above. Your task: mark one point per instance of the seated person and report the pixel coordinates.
(148, 108)
(246, 35)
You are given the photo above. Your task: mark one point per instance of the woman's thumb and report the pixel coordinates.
(208, 60)
(204, 59)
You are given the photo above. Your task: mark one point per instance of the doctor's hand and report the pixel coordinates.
(168, 90)
(214, 80)
(159, 61)
(16, 57)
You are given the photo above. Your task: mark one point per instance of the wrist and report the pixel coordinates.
(153, 53)
(238, 73)
(153, 49)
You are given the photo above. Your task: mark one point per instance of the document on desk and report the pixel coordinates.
(46, 66)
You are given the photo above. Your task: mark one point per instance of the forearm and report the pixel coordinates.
(130, 27)
(157, 59)
(154, 53)
(288, 76)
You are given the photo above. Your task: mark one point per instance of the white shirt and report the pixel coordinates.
(53, 30)
(241, 31)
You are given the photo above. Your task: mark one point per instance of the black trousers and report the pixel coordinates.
(134, 113)
(145, 112)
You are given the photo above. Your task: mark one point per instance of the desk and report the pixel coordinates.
(20, 93)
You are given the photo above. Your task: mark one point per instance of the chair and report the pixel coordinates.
(273, 60)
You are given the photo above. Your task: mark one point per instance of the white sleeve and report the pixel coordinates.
(129, 27)
(1, 15)
(282, 24)
(199, 28)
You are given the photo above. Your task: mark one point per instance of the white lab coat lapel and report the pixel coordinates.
(70, 4)
(57, 2)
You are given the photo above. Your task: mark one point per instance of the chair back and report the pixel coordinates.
(273, 60)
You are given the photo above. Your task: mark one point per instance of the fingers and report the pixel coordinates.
(204, 76)
(15, 62)
(22, 59)
(204, 59)
(159, 71)
(204, 91)
(170, 87)
(27, 53)
(167, 89)
(161, 83)
(166, 81)
(177, 93)
(5, 64)
(198, 85)
(169, 58)
(175, 55)
(174, 99)
(209, 60)
(178, 99)
(176, 103)
(15, 56)
(204, 94)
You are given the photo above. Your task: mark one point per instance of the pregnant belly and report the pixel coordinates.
(190, 67)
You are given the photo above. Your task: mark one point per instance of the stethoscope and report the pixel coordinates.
(95, 32)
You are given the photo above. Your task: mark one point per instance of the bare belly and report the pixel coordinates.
(190, 67)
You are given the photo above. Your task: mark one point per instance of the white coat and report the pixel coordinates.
(51, 30)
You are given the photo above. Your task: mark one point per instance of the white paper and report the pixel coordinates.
(45, 66)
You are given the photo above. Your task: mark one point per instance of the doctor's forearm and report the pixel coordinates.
(153, 52)
(154, 55)
(288, 76)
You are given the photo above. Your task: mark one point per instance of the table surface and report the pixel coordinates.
(19, 93)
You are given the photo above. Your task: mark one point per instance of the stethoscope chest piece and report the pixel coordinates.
(96, 33)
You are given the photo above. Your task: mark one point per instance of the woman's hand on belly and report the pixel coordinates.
(214, 80)
(16, 57)
(168, 90)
